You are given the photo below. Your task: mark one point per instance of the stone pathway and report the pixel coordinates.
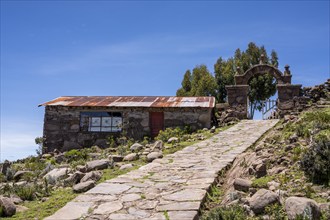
(174, 186)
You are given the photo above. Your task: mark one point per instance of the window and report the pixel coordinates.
(101, 121)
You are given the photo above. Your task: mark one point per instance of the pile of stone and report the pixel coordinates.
(229, 114)
(319, 92)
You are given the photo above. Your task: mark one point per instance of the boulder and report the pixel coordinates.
(116, 158)
(173, 140)
(212, 130)
(126, 166)
(131, 157)
(94, 156)
(74, 178)
(83, 187)
(158, 145)
(242, 184)
(5, 166)
(97, 165)
(15, 199)
(81, 168)
(7, 206)
(260, 170)
(20, 208)
(154, 155)
(136, 147)
(57, 174)
(19, 174)
(93, 175)
(302, 207)
(261, 199)
(59, 158)
(46, 156)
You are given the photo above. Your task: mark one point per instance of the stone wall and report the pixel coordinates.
(62, 124)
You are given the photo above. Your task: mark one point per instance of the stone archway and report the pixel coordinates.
(238, 94)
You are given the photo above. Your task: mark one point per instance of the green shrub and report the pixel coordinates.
(170, 132)
(276, 212)
(26, 192)
(2, 178)
(261, 182)
(74, 155)
(226, 213)
(316, 162)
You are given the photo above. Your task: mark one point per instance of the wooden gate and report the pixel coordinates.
(156, 122)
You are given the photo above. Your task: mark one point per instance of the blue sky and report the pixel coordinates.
(55, 48)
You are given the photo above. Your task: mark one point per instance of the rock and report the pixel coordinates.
(46, 156)
(57, 174)
(293, 138)
(19, 174)
(94, 156)
(48, 168)
(232, 196)
(272, 185)
(136, 147)
(59, 158)
(126, 166)
(325, 207)
(260, 170)
(97, 165)
(93, 175)
(83, 187)
(242, 184)
(212, 130)
(154, 155)
(81, 168)
(5, 166)
(158, 145)
(276, 170)
(301, 206)
(261, 199)
(131, 157)
(116, 158)
(20, 208)
(15, 199)
(7, 206)
(74, 178)
(173, 140)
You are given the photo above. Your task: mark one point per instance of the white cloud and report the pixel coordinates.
(17, 138)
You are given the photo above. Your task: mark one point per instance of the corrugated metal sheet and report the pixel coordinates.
(133, 101)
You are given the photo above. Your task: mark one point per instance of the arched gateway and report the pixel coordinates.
(238, 94)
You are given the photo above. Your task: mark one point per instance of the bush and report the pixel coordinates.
(316, 163)
(170, 132)
(226, 213)
(25, 192)
(74, 155)
(261, 182)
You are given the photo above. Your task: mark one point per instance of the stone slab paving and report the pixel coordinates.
(176, 184)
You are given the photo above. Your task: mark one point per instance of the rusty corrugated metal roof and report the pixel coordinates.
(133, 101)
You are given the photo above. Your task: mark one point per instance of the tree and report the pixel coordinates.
(199, 83)
(261, 87)
(186, 85)
(202, 83)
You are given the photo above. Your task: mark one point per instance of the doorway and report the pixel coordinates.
(156, 120)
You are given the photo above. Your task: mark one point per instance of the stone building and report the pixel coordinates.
(74, 122)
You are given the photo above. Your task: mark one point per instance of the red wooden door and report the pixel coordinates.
(156, 122)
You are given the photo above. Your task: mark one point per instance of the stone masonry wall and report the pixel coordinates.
(62, 124)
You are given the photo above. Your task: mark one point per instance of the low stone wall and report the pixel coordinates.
(62, 124)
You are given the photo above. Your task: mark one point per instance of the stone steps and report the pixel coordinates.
(176, 184)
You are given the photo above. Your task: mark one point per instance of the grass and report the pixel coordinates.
(261, 182)
(40, 210)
